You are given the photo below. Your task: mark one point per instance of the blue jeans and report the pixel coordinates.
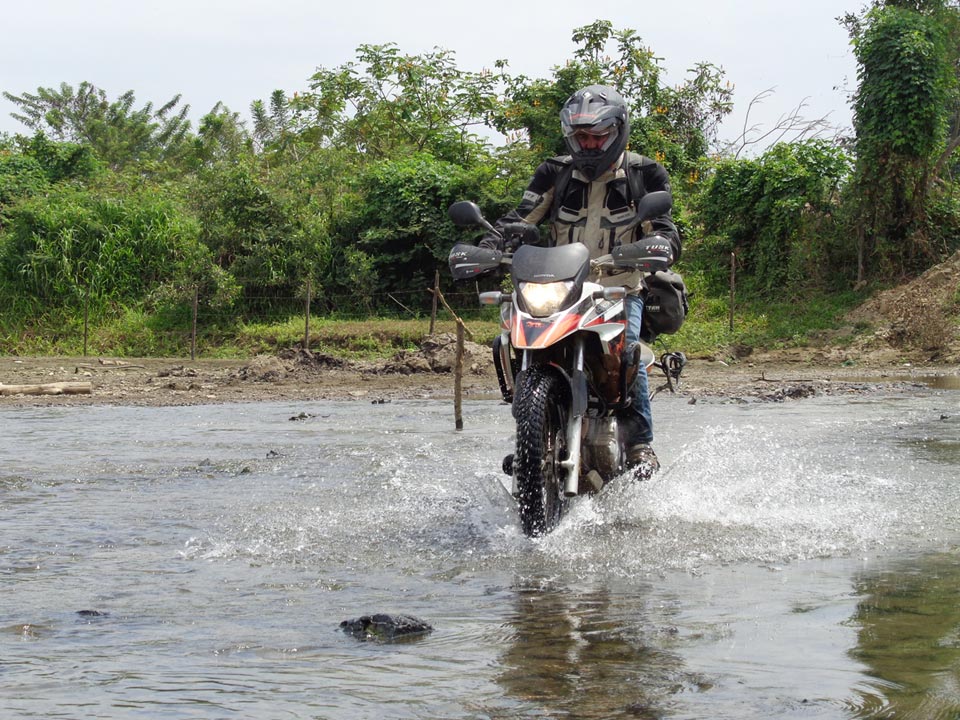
(636, 420)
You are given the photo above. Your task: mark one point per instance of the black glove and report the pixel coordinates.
(648, 254)
(490, 242)
(514, 235)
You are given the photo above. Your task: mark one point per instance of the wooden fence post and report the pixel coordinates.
(306, 328)
(86, 321)
(193, 330)
(458, 380)
(436, 293)
(462, 331)
(733, 285)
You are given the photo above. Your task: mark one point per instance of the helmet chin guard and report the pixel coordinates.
(595, 110)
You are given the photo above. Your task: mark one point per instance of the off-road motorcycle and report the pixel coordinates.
(561, 361)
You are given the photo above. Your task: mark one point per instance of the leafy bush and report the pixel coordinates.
(401, 219)
(20, 176)
(72, 248)
(778, 214)
(270, 233)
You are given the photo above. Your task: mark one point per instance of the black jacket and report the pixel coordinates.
(593, 213)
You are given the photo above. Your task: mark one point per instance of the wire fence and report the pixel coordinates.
(283, 319)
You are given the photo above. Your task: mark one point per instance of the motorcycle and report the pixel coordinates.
(561, 360)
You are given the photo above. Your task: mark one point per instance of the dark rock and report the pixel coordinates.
(386, 628)
(311, 359)
(302, 416)
(179, 371)
(789, 392)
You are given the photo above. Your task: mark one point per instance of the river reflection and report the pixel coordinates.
(909, 637)
(587, 654)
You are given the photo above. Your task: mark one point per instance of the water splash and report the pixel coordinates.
(759, 493)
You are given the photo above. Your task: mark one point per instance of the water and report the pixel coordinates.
(791, 560)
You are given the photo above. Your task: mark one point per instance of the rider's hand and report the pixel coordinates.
(516, 234)
(648, 254)
(490, 242)
(512, 236)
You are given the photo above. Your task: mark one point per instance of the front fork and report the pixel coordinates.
(578, 406)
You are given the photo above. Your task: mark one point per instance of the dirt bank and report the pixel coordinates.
(300, 375)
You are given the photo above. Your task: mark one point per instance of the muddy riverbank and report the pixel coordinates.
(424, 374)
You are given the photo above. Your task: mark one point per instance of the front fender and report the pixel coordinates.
(575, 383)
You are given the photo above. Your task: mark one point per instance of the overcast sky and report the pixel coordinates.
(237, 51)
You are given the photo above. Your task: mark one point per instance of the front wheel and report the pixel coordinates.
(541, 446)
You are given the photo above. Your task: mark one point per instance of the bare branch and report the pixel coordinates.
(789, 127)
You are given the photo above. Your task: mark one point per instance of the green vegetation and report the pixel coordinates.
(115, 219)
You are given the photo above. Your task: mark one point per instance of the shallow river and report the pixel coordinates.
(794, 560)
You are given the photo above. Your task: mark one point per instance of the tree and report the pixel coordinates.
(31, 166)
(674, 124)
(271, 233)
(248, 227)
(275, 130)
(906, 122)
(118, 133)
(388, 103)
(60, 160)
(221, 136)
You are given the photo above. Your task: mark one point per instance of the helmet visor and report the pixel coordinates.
(585, 139)
(589, 124)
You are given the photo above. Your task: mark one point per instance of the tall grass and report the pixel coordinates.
(765, 324)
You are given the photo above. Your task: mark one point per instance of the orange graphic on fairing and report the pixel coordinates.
(529, 333)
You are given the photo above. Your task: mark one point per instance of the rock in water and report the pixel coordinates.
(386, 628)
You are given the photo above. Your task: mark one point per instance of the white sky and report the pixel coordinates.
(238, 51)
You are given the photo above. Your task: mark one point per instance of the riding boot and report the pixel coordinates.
(641, 461)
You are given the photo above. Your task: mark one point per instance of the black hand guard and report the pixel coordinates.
(649, 254)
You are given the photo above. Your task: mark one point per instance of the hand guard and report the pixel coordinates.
(468, 262)
(648, 254)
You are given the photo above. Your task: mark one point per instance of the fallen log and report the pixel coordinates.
(54, 388)
(109, 366)
(116, 363)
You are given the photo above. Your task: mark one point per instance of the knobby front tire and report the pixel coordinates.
(541, 446)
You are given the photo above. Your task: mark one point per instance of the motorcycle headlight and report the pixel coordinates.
(544, 299)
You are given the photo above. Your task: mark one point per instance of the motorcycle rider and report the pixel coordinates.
(589, 197)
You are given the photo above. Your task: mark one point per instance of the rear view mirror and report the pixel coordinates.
(465, 213)
(654, 204)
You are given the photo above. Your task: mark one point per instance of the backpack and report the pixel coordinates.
(665, 305)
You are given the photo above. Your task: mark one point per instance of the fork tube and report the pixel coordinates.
(574, 428)
(524, 364)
